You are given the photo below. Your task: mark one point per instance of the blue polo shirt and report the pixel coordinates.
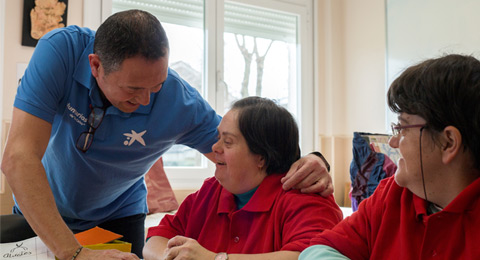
(106, 182)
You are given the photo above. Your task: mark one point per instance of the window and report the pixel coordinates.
(232, 49)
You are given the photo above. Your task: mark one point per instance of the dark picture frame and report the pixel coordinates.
(28, 5)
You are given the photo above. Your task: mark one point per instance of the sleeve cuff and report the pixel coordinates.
(323, 159)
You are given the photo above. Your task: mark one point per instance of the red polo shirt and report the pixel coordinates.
(392, 224)
(272, 220)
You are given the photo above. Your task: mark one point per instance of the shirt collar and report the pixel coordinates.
(261, 201)
(465, 201)
(83, 73)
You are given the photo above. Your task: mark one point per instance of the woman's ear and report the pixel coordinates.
(94, 61)
(452, 144)
(261, 162)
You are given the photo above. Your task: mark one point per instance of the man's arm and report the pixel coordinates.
(309, 174)
(27, 141)
(210, 156)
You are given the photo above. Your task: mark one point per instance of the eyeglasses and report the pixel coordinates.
(396, 128)
(84, 141)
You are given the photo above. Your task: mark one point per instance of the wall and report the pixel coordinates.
(351, 78)
(15, 53)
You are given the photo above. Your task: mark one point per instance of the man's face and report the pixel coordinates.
(130, 86)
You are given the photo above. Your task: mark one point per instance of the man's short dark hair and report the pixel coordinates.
(445, 92)
(270, 131)
(127, 34)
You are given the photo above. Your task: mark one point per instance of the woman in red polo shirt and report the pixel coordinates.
(430, 208)
(243, 212)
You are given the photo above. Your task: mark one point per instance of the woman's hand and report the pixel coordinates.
(184, 248)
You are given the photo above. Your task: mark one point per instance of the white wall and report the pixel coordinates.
(351, 78)
(16, 53)
(351, 71)
(2, 39)
(433, 28)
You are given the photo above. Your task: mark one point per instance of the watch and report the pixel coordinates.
(221, 256)
(323, 159)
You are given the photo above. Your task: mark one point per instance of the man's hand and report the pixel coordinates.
(181, 247)
(111, 254)
(309, 174)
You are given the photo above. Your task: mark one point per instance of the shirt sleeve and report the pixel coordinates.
(202, 133)
(42, 86)
(174, 225)
(352, 237)
(306, 215)
(321, 252)
(195, 120)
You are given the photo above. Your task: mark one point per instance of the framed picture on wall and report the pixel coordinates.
(40, 17)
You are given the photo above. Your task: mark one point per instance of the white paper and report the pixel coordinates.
(28, 249)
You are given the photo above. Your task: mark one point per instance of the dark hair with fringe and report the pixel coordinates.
(445, 92)
(270, 131)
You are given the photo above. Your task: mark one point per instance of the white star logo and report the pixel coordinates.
(134, 136)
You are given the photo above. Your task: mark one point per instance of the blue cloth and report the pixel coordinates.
(366, 169)
(321, 252)
(106, 182)
(242, 199)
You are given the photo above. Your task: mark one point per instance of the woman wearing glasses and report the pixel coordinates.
(243, 213)
(430, 208)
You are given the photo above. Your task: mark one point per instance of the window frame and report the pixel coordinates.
(96, 11)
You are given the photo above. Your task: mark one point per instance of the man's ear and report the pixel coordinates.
(94, 64)
(452, 144)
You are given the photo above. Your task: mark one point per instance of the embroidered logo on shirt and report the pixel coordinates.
(77, 116)
(134, 136)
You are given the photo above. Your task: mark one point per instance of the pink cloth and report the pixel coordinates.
(160, 196)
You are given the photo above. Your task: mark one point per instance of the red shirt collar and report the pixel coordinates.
(463, 202)
(261, 201)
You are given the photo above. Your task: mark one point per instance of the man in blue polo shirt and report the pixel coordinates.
(93, 113)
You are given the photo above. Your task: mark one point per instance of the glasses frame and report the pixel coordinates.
(85, 140)
(396, 128)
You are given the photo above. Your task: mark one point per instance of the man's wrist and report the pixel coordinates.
(77, 253)
(323, 159)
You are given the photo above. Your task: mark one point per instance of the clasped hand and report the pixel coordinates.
(184, 248)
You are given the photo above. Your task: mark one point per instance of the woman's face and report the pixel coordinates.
(409, 172)
(237, 169)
